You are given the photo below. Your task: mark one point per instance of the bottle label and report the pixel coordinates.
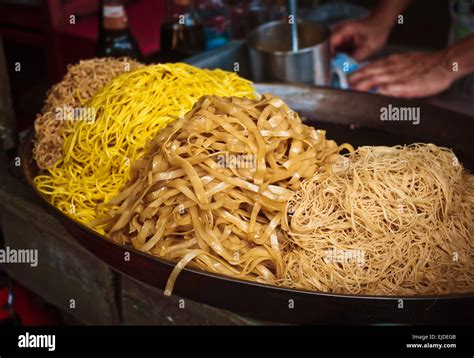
(115, 17)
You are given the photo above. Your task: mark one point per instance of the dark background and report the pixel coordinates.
(38, 35)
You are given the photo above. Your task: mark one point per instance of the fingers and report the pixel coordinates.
(406, 89)
(362, 52)
(382, 77)
(377, 68)
(368, 83)
(409, 76)
(392, 69)
(415, 87)
(342, 34)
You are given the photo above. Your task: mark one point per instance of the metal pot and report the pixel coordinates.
(272, 59)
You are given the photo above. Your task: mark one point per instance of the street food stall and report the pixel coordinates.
(274, 162)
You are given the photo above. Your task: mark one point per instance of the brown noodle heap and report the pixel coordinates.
(214, 187)
(405, 212)
(81, 82)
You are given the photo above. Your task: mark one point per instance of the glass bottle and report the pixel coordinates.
(115, 38)
(182, 33)
(216, 21)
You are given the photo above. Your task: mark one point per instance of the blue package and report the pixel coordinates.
(342, 65)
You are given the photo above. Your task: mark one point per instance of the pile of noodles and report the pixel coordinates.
(213, 189)
(242, 187)
(394, 221)
(78, 86)
(129, 111)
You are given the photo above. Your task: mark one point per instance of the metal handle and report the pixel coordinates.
(292, 11)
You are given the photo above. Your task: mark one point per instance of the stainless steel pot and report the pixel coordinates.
(272, 59)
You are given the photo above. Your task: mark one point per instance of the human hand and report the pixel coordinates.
(366, 36)
(408, 75)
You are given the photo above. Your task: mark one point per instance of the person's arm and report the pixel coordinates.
(367, 36)
(417, 74)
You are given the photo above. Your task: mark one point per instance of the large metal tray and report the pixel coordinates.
(347, 116)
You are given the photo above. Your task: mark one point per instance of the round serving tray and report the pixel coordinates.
(347, 116)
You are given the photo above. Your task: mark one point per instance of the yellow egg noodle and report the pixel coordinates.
(80, 83)
(129, 110)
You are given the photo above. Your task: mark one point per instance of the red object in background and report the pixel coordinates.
(39, 35)
(27, 307)
(67, 30)
(145, 20)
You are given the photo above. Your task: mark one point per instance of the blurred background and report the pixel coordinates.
(44, 36)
